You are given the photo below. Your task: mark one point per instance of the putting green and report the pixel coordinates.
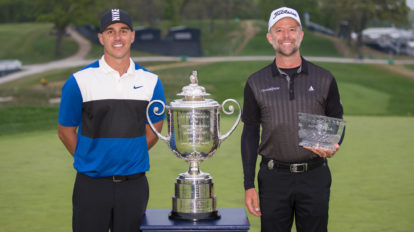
(372, 190)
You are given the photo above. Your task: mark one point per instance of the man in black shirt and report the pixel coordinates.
(294, 181)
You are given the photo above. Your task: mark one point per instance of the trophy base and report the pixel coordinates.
(316, 144)
(194, 198)
(194, 216)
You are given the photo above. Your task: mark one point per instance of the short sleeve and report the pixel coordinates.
(70, 109)
(157, 95)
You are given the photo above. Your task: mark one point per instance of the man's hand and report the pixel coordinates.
(252, 202)
(323, 152)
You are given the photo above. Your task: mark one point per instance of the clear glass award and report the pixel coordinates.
(319, 131)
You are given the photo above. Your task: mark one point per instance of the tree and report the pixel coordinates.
(149, 11)
(142, 12)
(173, 11)
(301, 6)
(16, 11)
(211, 10)
(63, 13)
(355, 15)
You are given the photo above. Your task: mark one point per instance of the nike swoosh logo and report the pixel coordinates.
(137, 87)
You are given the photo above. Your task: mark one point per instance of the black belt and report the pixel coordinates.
(118, 179)
(293, 167)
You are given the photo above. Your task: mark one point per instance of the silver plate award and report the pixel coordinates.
(194, 135)
(319, 131)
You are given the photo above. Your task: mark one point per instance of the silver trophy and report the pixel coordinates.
(194, 135)
(319, 131)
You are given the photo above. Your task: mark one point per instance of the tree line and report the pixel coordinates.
(344, 16)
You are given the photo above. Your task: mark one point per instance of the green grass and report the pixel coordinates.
(380, 92)
(373, 187)
(312, 44)
(364, 89)
(97, 52)
(34, 43)
(370, 101)
(372, 190)
(222, 40)
(315, 45)
(29, 90)
(31, 43)
(409, 66)
(18, 119)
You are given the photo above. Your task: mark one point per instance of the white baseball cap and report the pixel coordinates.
(281, 13)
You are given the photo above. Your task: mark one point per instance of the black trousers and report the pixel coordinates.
(303, 196)
(100, 205)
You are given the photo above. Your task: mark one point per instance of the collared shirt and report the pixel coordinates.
(110, 113)
(272, 101)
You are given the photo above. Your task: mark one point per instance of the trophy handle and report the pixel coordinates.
(164, 138)
(231, 111)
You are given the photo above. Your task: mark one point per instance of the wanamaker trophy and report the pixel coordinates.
(194, 136)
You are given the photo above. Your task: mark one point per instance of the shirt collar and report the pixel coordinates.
(303, 67)
(108, 69)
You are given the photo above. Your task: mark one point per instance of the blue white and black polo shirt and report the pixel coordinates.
(110, 113)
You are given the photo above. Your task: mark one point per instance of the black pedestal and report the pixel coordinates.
(195, 217)
(157, 220)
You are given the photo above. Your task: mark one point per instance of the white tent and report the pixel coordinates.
(8, 66)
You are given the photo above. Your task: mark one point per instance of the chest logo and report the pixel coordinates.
(270, 89)
(311, 89)
(137, 87)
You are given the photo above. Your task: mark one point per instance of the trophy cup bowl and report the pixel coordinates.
(194, 136)
(319, 131)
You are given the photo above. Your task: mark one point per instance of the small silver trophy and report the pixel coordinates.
(194, 136)
(319, 131)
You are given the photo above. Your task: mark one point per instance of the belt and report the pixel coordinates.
(118, 179)
(293, 167)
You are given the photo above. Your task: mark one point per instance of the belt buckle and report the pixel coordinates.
(295, 168)
(270, 164)
(115, 180)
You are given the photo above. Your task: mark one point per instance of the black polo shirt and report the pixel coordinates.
(272, 100)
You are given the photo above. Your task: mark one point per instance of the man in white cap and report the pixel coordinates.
(103, 124)
(294, 181)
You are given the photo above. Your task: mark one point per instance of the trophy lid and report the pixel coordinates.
(193, 96)
(193, 92)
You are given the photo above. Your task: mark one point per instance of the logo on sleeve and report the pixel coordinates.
(311, 89)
